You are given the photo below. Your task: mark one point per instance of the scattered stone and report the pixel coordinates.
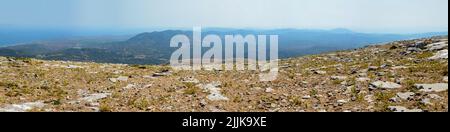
(148, 86)
(443, 54)
(94, 97)
(384, 85)
(373, 68)
(344, 83)
(393, 99)
(82, 92)
(413, 49)
(73, 67)
(257, 88)
(117, 72)
(274, 110)
(269, 90)
(147, 76)
(342, 102)
(399, 80)
(95, 109)
(349, 89)
(435, 96)
(215, 109)
(403, 109)
(113, 80)
(320, 72)
(203, 103)
(406, 95)
(122, 78)
(215, 92)
(129, 86)
(23, 107)
(368, 98)
(445, 79)
(438, 87)
(380, 74)
(217, 97)
(363, 74)
(162, 74)
(94, 104)
(322, 110)
(270, 76)
(426, 101)
(338, 77)
(273, 105)
(306, 97)
(190, 80)
(330, 94)
(399, 67)
(363, 79)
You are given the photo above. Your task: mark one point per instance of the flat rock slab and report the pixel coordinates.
(443, 54)
(385, 85)
(437, 87)
(403, 109)
(22, 107)
(94, 97)
(437, 46)
(406, 95)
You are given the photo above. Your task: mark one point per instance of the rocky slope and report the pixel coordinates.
(408, 76)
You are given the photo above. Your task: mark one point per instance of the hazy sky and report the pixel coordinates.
(360, 15)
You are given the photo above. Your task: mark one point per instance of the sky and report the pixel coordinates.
(384, 16)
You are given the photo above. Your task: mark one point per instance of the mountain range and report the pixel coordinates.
(153, 47)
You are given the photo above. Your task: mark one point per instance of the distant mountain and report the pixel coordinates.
(153, 48)
(38, 48)
(11, 35)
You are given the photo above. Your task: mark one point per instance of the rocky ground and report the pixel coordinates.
(403, 76)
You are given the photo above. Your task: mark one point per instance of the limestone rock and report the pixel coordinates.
(94, 97)
(443, 54)
(406, 95)
(437, 87)
(22, 107)
(403, 109)
(384, 85)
